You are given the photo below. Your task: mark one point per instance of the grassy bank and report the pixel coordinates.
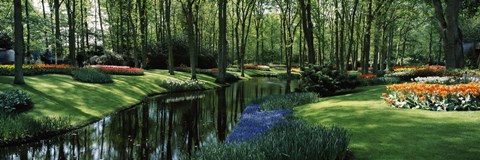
(61, 96)
(382, 132)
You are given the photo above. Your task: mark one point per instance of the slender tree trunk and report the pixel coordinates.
(366, 36)
(45, 17)
(307, 24)
(27, 45)
(222, 40)
(19, 46)
(58, 39)
(101, 25)
(71, 30)
(169, 37)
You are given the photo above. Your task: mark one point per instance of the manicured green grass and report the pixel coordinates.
(61, 96)
(381, 132)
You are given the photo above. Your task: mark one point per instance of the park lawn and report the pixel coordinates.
(61, 96)
(382, 132)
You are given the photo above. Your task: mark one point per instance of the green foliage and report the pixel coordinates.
(379, 81)
(296, 140)
(5, 41)
(325, 81)
(288, 101)
(91, 75)
(19, 126)
(177, 86)
(159, 57)
(287, 76)
(14, 101)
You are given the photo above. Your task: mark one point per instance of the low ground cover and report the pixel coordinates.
(382, 132)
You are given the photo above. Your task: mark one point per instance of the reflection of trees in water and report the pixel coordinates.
(156, 130)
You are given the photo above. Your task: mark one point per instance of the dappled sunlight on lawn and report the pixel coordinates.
(59, 95)
(381, 132)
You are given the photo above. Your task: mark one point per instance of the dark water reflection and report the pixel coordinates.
(164, 127)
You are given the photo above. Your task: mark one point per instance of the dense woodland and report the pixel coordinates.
(348, 34)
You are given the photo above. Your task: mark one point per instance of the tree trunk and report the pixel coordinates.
(45, 31)
(18, 30)
(101, 25)
(222, 40)
(307, 24)
(192, 37)
(27, 45)
(169, 37)
(366, 41)
(58, 39)
(71, 30)
(450, 32)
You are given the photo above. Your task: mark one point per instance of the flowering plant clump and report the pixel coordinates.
(435, 80)
(253, 123)
(37, 69)
(367, 76)
(259, 67)
(176, 86)
(118, 70)
(435, 97)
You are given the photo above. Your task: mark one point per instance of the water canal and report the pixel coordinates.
(164, 127)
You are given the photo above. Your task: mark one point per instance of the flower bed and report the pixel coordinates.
(434, 97)
(259, 67)
(367, 76)
(253, 123)
(118, 70)
(38, 69)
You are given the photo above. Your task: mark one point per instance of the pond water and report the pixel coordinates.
(164, 127)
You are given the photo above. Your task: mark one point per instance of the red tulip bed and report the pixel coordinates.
(119, 70)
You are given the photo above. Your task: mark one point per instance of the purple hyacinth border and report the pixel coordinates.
(254, 122)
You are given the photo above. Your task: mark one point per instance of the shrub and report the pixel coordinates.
(15, 101)
(287, 76)
(325, 81)
(434, 97)
(177, 86)
(159, 57)
(19, 126)
(379, 81)
(5, 41)
(288, 101)
(91, 75)
(289, 141)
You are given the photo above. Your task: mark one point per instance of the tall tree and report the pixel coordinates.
(19, 46)
(27, 16)
(71, 30)
(244, 13)
(307, 25)
(287, 18)
(450, 31)
(45, 17)
(222, 40)
(58, 38)
(190, 12)
(168, 4)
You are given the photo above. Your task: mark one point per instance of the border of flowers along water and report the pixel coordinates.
(253, 123)
(266, 132)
